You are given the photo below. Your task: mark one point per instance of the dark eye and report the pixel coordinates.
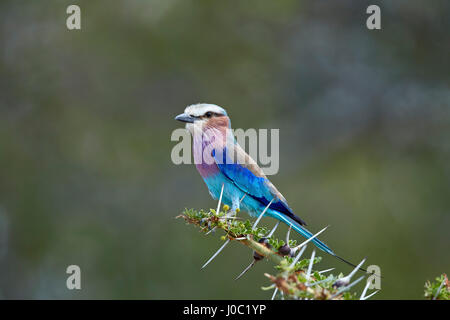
(208, 114)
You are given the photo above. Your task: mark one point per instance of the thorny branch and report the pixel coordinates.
(295, 278)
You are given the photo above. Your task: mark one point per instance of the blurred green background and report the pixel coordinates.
(86, 116)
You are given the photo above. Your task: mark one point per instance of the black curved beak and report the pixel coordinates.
(185, 118)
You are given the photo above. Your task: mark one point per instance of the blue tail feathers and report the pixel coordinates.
(301, 230)
(305, 233)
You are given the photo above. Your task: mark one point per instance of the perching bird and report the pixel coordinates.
(222, 162)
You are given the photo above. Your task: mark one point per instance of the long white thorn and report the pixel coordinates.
(356, 268)
(439, 290)
(319, 282)
(210, 231)
(274, 293)
(242, 198)
(288, 234)
(297, 257)
(217, 252)
(220, 199)
(311, 262)
(364, 291)
(370, 295)
(218, 207)
(310, 239)
(245, 270)
(273, 230)
(346, 280)
(262, 213)
(228, 217)
(326, 270)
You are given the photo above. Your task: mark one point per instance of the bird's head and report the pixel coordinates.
(203, 116)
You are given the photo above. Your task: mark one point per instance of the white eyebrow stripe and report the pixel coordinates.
(197, 110)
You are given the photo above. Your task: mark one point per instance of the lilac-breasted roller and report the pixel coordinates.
(222, 163)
